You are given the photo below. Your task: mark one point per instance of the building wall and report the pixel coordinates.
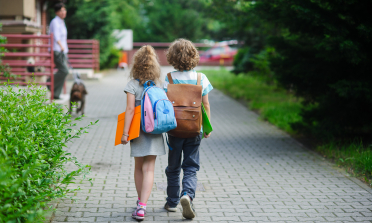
(20, 16)
(22, 8)
(29, 8)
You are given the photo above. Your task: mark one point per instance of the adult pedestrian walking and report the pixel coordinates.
(59, 30)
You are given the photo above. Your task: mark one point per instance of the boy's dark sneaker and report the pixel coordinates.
(169, 208)
(187, 207)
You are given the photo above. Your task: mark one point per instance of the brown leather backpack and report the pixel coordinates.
(186, 100)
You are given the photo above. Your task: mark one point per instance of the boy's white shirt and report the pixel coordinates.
(188, 77)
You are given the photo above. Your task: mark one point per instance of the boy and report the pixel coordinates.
(183, 56)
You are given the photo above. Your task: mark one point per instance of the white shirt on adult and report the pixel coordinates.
(59, 30)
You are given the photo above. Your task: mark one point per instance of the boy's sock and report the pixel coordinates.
(141, 212)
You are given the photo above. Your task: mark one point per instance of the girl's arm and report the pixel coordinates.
(129, 113)
(207, 109)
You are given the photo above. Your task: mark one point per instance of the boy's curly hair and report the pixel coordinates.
(145, 65)
(182, 55)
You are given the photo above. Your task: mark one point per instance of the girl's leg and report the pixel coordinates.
(148, 168)
(138, 175)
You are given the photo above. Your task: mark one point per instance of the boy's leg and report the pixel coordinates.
(190, 165)
(173, 170)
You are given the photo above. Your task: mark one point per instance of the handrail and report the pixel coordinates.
(30, 74)
(26, 54)
(80, 40)
(22, 36)
(18, 45)
(81, 46)
(84, 53)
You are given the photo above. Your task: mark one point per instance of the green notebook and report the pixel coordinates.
(207, 127)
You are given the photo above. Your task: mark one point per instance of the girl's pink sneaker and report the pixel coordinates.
(139, 214)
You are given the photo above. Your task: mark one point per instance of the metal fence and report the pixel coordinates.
(25, 48)
(39, 48)
(83, 53)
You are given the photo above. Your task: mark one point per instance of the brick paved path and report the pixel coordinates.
(251, 172)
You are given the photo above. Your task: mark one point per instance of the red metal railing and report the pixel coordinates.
(37, 49)
(83, 53)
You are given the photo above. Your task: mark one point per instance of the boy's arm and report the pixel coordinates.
(206, 105)
(208, 110)
(207, 87)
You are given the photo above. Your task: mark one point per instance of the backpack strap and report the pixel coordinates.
(198, 82)
(170, 80)
(149, 83)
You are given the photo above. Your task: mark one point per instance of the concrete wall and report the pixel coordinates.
(22, 8)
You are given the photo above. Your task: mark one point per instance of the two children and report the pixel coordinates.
(183, 56)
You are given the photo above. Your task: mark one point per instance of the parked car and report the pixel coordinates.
(219, 52)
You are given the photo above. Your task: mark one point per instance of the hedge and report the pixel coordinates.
(33, 134)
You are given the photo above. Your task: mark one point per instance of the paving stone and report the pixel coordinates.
(250, 171)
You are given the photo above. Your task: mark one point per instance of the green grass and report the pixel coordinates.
(274, 104)
(281, 108)
(354, 156)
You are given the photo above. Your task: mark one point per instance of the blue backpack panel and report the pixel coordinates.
(157, 113)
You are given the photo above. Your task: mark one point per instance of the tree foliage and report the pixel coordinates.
(240, 21)
(321, 51)
(97, 19)
(167, 20)
(151, 21)
(325, 58)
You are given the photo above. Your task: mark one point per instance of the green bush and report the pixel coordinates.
(113, 58)
(256, 64)
(33, 135)
(261, 63)
(242, 61)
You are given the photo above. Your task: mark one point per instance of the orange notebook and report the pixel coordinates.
(134, 129)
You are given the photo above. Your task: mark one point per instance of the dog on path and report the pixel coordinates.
(78, 92)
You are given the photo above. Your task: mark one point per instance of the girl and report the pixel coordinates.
(146, 147)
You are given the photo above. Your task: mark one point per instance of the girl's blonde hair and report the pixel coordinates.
(183, 55)
(145, 65)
